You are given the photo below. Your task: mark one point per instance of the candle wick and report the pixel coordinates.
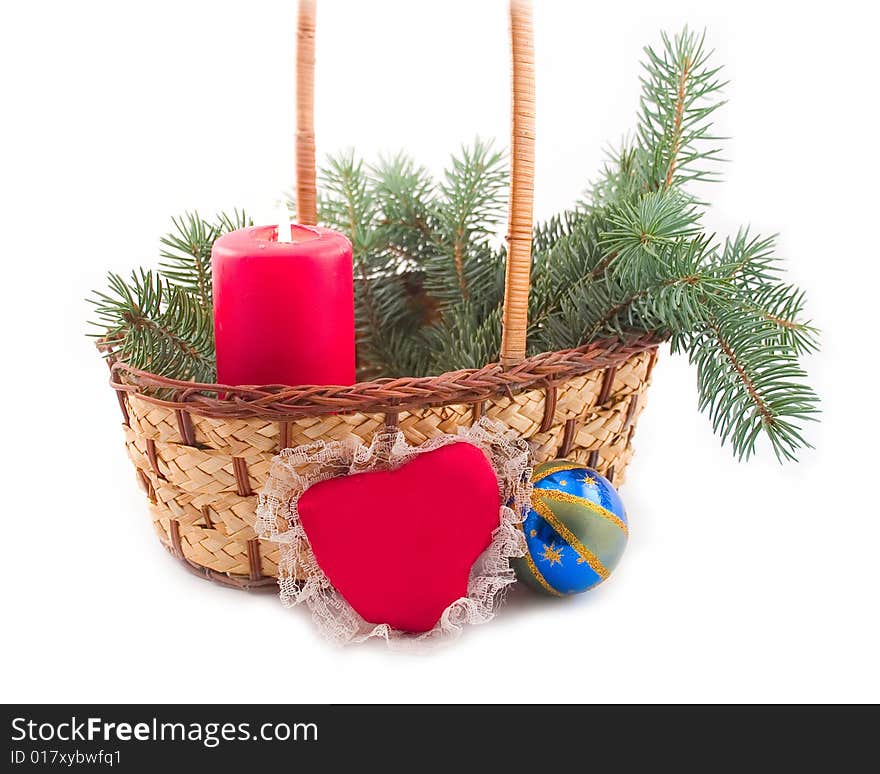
(284, 231)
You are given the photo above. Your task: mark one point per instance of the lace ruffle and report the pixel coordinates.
(301, 580)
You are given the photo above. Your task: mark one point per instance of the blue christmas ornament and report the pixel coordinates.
(576, 529)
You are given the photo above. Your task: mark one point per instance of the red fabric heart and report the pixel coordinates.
(399, 545)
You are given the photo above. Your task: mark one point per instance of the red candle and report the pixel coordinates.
(283, 311)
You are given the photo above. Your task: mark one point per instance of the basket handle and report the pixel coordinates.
(306, 188)
(522, 186)
(522, 162)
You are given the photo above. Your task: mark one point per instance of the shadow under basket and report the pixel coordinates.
(202, 460)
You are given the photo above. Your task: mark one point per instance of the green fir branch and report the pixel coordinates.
(748, 386)
(640, 231)
(346, 201)
(408, 221)
(468, 337)
(472, 202)
(680, 93)
(187, 255)
(186, 251)
(625, 176)
(156, 326)
(781, 307)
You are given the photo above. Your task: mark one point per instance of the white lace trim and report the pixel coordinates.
(295, 470)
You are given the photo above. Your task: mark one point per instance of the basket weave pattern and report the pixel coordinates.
(202, 473)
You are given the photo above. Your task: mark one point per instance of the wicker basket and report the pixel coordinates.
(202, 451)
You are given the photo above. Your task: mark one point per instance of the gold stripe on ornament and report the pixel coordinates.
(556, 468)
(533, 568)
(588, 556)
(565, 497)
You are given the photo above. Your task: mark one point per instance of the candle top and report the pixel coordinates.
(263, 240)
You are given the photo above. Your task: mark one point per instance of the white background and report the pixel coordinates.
(742, 582)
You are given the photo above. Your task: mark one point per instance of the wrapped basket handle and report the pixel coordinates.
(522, 162)
(306, 189)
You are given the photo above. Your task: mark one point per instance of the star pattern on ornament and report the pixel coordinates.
(564, 482)
(552, 554)
(589, 480)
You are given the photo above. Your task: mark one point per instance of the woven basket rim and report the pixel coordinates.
(386, 395)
